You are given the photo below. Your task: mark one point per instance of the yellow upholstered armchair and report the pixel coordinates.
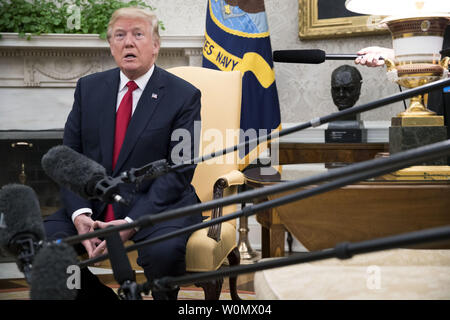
(210, 248)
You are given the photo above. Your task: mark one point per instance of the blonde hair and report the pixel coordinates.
(135, 13)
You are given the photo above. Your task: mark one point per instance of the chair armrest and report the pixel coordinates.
(232, 178)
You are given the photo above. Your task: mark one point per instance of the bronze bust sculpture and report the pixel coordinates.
(345, 86)
(346, 82)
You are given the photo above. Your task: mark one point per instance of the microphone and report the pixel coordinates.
(50, 276)
(313, 56)
(123, 273)
(80, 175)
(22, 233)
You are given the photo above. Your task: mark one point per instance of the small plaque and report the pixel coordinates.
(345, 135)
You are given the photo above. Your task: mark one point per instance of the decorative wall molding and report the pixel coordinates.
(38, 76)
(89, 41)
(59, 60)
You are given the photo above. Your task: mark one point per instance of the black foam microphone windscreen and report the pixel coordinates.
(314, 56)
(119, 260)
(73, 170)
(51, 276)
(21, 216)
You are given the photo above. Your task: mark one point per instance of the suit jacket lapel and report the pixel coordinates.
(108, 119)
(145, 109)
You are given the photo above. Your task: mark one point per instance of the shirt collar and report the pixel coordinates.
(141, 81)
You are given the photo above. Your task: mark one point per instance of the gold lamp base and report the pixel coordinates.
(416, 109)
(417, 115)
(418, 121)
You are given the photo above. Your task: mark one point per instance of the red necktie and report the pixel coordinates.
(123, 117)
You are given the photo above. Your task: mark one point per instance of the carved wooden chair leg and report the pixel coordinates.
(211, 288)
(289, 240)
(234, 258)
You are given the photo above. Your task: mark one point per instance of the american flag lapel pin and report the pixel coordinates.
(154, 96)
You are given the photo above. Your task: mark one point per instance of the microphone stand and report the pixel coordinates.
(161, 167)
(27, 247)
(344, 250)
(343, 176)
(106, 187)
(130, 290)
(346, 56)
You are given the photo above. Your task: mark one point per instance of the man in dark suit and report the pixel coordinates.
(124, 118)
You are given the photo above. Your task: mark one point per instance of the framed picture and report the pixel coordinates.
(325, 19)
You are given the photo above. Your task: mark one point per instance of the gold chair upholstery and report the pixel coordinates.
(210, 248)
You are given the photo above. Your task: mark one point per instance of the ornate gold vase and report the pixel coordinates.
(417, 42)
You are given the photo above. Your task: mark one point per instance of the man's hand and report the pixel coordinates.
(370, 56)
(83, 223)
(124, 235)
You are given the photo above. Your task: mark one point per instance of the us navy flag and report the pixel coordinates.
(237, 38)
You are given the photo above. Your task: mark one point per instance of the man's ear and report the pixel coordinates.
(156, 47)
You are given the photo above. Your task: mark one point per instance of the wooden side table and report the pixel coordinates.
(356, 212)
(329, 152)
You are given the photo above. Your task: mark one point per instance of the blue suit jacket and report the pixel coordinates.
(167, 103)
